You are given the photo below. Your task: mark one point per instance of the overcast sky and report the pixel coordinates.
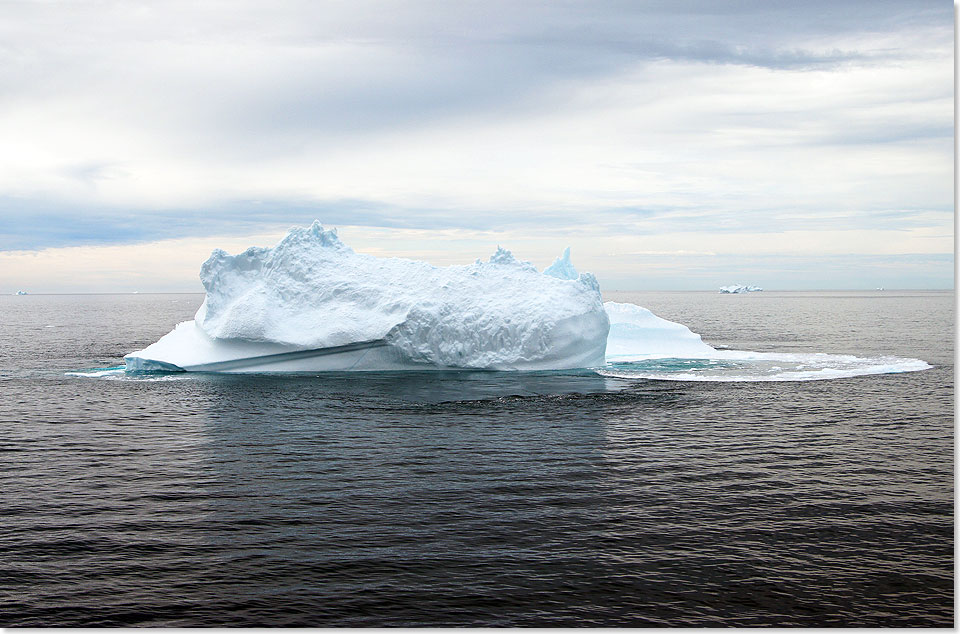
(673, 145)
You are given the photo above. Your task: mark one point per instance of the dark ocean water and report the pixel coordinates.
(479, 498)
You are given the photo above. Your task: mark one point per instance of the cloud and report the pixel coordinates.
(143, 122)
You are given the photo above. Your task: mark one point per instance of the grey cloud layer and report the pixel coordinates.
(247, 83)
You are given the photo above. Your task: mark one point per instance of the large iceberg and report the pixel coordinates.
(312, 303)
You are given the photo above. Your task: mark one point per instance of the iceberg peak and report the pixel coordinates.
(502, 256)
(317, 234)
(505, 257)
(562, 268)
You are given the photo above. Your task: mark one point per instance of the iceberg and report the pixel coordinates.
(738, 288)
(311, 303)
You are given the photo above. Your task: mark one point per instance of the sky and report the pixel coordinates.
(671, 144)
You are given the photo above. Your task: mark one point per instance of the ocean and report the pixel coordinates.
(481, 498)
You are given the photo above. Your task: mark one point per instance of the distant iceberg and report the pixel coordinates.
(20, 293)
(311, 303)
(737, 288)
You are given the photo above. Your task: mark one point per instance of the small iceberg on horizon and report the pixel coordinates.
(21, 293)
(736, 289)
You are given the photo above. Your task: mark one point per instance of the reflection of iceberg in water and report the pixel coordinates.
(312, 304)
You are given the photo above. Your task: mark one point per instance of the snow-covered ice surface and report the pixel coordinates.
(637, 334)
(312, 304)
(359, 312)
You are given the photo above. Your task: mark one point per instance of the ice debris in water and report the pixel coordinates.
(312, 303)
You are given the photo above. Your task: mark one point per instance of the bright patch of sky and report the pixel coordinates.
(671, 144)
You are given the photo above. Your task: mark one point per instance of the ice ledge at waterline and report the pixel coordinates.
(311, 303)
(634, 333)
